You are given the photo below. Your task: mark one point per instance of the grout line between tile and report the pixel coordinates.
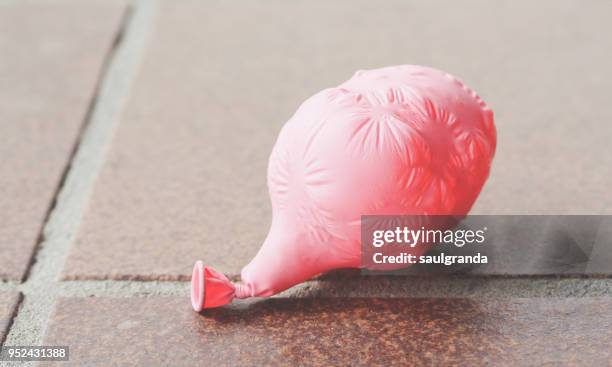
(12, 318)
(380, 287)
(448, 287)
(41, 287)
(114, 288)
(8, 286)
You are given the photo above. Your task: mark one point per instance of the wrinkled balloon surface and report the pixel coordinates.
(401, 140)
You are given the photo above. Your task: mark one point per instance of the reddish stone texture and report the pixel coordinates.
(52, 57)
(8, 305)
(334, 332)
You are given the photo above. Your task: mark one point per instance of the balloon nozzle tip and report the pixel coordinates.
(197, 286)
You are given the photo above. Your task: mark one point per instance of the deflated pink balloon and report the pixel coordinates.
(401, 140)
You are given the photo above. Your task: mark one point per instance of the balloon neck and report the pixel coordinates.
(210, 289)
(243, 290)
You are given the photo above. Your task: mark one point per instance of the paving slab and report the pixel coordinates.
(335, 331)
(185, 178)
(8, 306)
(52, 57)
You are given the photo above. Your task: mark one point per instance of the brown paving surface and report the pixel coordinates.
(8, 303)
(164, 331)
(185, 179)
(51, 59)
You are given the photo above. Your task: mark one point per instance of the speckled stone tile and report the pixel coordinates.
(8, 305)
(335, 332)
(52, 57)
(185, 178)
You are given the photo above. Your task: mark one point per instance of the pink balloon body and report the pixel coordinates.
(401, 140)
